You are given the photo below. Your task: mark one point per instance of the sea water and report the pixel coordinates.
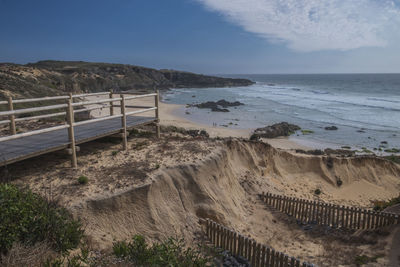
(364, 107)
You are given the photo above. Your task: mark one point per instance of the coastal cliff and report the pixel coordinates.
(49, 77)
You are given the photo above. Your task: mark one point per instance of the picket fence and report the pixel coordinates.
(335, 216)
(238, 245)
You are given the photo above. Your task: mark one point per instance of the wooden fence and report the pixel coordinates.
(69, 109)
(258, 255)
(335, 216)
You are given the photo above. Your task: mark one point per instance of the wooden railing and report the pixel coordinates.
(70, 114)
(335, 216)
(238, 245)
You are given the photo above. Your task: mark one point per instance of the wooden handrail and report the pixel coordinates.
(48, 98)
(16, 136)
(139, 96)
(28, 110)
(69, 112)
(140, 111)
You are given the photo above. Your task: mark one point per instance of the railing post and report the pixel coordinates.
(11, 117)
(157, 100)
(71, 134)
(111, 104)
(123, 121)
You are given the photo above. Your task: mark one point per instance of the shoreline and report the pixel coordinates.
(168, 116)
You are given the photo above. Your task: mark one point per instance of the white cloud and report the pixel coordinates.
(311, 25)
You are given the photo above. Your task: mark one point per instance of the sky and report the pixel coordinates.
(207, 36)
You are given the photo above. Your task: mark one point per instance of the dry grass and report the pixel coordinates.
(20, 255)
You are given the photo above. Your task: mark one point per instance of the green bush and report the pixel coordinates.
(171, 252)
(381, 205)
(83, 180)
(317, 191)
(28, 218)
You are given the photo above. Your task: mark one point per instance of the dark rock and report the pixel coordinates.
(219, 106)
(341, 152)
(195, 133)
(384, 142)
(276, 130)
(331, 128)
(360, 131)
(231, 261)
(316, 152)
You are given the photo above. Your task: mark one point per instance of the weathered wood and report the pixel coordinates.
(99, 101)
(139, 96)
(111, 104)
(140, 111)
(123, 122)
(97, 120)
(71, 133)
(263, 255)
(157, 112)
(11, 118)
(29, 110)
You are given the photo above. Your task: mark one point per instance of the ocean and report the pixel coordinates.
(364, 107)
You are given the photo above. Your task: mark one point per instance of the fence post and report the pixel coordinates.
(123, 121)
(11, 117)
(111, 104)
(272, 257)
(156, 102)
(71, 133)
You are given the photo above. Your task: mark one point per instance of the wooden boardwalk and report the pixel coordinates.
(34, 145)
(20, 146)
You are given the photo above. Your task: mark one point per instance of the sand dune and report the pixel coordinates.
(224, 187)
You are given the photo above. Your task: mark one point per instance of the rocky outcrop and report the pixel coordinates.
(219, 106)
(276, 130)
(46, 78)
(331, 128)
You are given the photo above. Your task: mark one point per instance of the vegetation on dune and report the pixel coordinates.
(28, 218)
(381, 205)
(305, 132)
(83, 179)
(171, 252)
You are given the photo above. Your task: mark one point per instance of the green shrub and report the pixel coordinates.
(305, 132)
(317, 191)
(339, 182)
(381, 205)
(364, 259)
(171, 252)
(28, 218)
(83, 180)
(114, 153)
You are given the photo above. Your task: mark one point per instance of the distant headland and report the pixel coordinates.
(50, 77)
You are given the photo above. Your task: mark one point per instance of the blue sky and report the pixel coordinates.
(207, 36)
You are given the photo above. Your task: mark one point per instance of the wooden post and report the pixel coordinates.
(123, 121)
(214, 233)
(111, 104)
(11, 117)
(263, 251)
(254, 253)
(235, 252)
(156, 102)
(71, 134)
(272, 258)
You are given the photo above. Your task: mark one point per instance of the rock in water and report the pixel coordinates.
(331, 128)
(219, 106)
(276, 130)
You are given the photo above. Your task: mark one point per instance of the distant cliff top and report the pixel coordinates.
(59, 77)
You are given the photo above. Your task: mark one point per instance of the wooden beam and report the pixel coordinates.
(123, 121)
(11, 117)
(71, 134)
